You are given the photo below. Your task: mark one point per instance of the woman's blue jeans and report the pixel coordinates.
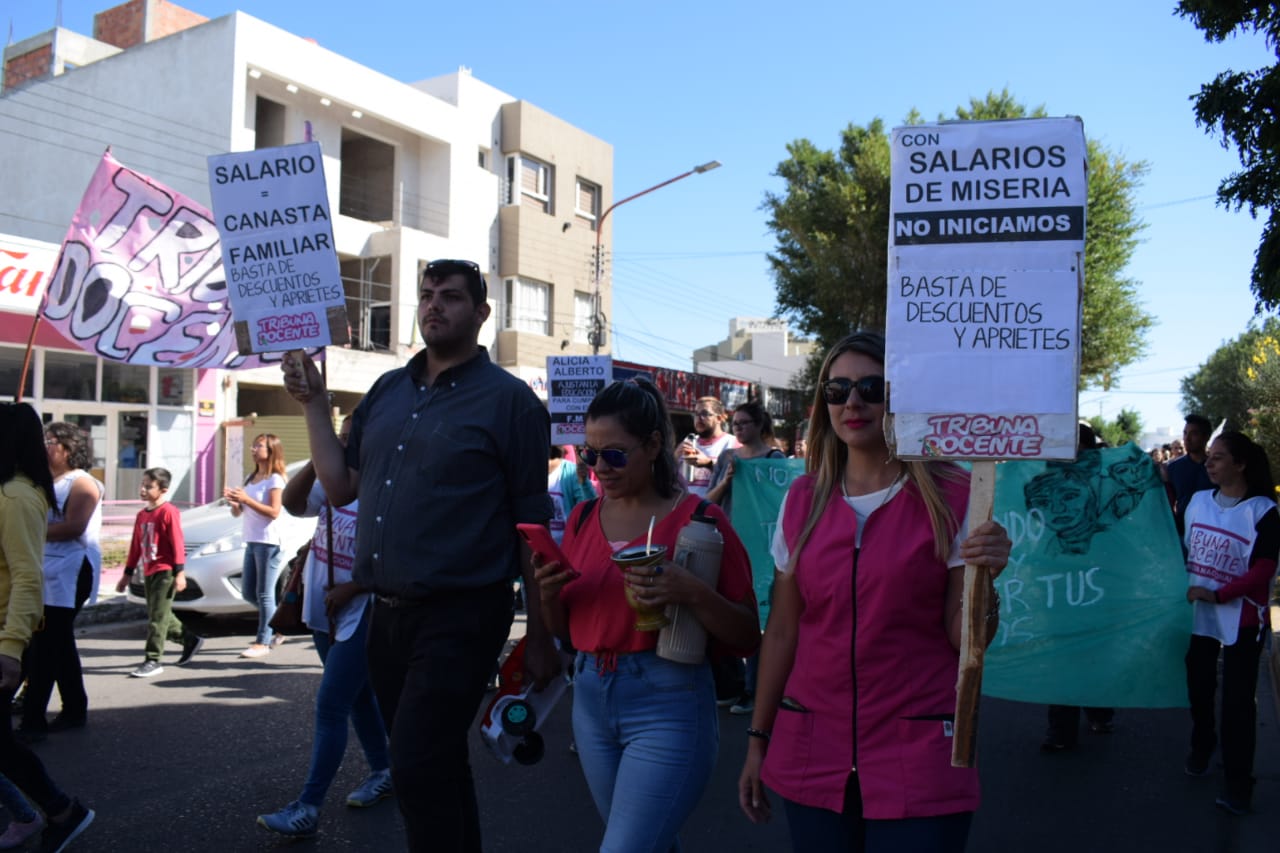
(258, 583)
(647, 730)
(344, 694)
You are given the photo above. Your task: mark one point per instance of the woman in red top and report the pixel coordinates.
(645, 727)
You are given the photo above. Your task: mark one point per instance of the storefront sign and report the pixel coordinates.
(25, 266)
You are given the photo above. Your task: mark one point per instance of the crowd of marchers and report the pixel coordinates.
(850, 686)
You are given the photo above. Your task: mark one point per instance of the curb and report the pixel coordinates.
(111, 610)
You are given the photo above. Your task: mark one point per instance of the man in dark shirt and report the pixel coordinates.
(1187, 474)
(446, 454)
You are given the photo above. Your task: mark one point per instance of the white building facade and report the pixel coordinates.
(446, 168)
(758, 349)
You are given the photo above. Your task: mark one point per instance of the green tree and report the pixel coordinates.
(832, 227)
(831, 223)
(1241, 106)
(1126, 427)
(1240, 383)
(1227, 386)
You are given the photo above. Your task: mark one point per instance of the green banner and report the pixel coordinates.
(1094, 610)
(758, 488)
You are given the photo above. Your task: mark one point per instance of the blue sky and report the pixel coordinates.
(671, 85)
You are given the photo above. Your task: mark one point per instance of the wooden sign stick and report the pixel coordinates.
(973, 630)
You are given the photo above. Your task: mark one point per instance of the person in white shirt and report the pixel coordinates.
(258, 503)
(1233, 545)
(336, 609)
(700, 451)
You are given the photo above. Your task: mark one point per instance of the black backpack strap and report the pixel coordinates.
(588, 507)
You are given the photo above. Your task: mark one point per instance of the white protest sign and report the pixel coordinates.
(986, 252)
(572, 383)
(283, 280)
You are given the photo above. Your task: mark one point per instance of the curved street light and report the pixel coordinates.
(597, 320)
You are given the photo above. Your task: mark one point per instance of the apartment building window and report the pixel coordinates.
(268, 123)
(367, 285)
(11, 359)
(366, 188)
(586, 203)
(529, 182)
(582, 303)
(482, 158)
(527, 306)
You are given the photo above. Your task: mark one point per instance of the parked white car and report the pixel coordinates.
(215, 558)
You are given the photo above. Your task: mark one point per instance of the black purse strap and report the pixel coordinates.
(588, 507)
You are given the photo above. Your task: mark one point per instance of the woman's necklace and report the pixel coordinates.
(888, 491)
(1225, 501)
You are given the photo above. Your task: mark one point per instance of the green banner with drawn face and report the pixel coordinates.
(1093, 606)
(758, 488)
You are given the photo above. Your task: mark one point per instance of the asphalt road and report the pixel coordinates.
(186, 760)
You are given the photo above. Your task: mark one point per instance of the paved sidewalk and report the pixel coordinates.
(111, 606)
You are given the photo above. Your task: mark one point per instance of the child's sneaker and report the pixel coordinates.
(191, 644)
(148, 669)
(376, 787)
(18, 833)
(296, 820)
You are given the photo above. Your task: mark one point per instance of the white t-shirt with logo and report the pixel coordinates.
(317, 577)
(700, 478)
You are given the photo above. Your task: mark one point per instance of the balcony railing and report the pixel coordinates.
(370, 201)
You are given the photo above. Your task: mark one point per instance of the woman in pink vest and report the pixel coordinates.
(856, 694)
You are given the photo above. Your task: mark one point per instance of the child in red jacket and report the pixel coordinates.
(157, 546)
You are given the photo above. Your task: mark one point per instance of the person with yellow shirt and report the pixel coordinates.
(26, 493)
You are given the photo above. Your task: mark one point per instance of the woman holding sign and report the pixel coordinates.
(1232, 540)
(857, 686)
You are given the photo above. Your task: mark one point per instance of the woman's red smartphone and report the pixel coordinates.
(540, 542)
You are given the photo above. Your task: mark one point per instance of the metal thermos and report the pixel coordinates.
(698, 550)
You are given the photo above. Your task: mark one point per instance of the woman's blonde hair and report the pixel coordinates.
(275, 447)
(827, 455)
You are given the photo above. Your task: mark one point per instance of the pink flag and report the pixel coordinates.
(140, 278)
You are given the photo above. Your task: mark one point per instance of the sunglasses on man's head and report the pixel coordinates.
(613, 458)
(444, 267)
(870, 389)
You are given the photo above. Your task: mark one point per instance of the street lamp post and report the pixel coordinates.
(597, 320)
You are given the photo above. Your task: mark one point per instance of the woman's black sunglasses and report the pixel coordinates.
(870, 388)
(612, 458)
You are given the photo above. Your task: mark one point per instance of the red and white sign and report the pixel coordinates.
(25, 267)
